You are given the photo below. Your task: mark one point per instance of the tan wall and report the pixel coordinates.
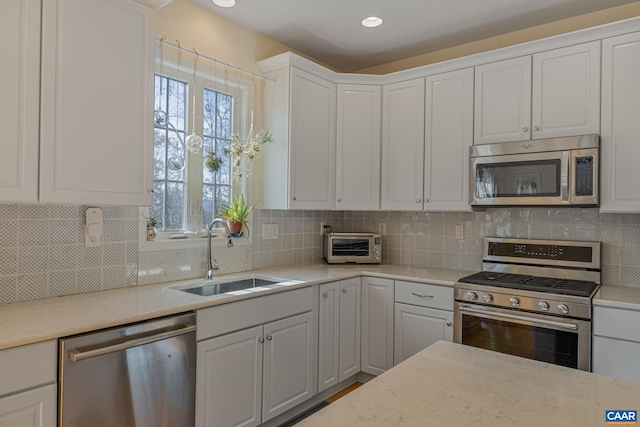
(559, 27)
(214, 36)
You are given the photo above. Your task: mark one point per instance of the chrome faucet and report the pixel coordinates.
(212, 264)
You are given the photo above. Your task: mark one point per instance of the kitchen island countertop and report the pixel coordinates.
(27, 322)
(455, 385)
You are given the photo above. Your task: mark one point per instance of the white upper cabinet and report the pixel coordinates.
(448, 136)
(503, 101)
(620, 148)
(96, 131)
(550, 94)
(312, 151)
(403, 145)
(20, 88)
(566, 91)
(358, 147)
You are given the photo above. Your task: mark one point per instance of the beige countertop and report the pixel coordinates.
(455, 385)
(38, 320)
(627, 297)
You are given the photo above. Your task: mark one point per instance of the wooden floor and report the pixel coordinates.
(344, 392)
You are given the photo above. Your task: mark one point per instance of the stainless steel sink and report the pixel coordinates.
(207, 288)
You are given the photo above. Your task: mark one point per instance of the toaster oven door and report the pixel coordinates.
(350, 249)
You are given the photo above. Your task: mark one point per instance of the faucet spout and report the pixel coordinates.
(212, 264)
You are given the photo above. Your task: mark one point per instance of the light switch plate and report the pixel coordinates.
(93, 228)
(269, 231)
(382, 228)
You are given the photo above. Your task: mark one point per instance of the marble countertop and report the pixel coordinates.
(38, 320)
(627, 297)
(455, 385)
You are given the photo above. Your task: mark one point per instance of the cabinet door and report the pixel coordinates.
(312, 151)
(377, 325)
(349, 328)
(96, 111)
(358, 148)
(403, 145)
(503, 101)
(20, 108)
(416, 328)
(566, 91)
(328, 346)
(288, 364)
(229, 380)
(616, 358)
(619, 148)
(33, 408)
(448, 136)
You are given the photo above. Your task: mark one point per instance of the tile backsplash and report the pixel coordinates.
(42, 251)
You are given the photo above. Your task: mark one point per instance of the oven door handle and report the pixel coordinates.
(498, 316)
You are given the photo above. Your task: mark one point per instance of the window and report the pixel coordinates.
(186, 193)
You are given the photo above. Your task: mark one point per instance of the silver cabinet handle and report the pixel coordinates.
(426, 200)
(260, 340)
(339, 200)
(77, 356)
(418, 200)
(325, 295)
(344, 291)
(421, 296)
(294, 197)
(151, 190)
(448, 323)
(525, 129)
(536, 128)
(269, 337)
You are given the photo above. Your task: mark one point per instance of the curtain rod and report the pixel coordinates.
(194, 52)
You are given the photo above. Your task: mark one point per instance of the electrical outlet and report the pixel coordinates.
(459, 231)
(382, 228)
(269, 231)
(322, 225)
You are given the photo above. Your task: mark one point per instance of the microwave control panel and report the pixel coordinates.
(584, 176)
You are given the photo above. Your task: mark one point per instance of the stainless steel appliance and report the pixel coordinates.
(358, 248)
(140, 375)
(532, 299)
(559, 171)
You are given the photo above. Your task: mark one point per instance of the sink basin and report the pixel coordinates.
(208, 288)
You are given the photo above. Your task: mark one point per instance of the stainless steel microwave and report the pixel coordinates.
(544, 172)
(356, 248)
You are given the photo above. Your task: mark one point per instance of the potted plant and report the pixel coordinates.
(152, 221)
(236, 213)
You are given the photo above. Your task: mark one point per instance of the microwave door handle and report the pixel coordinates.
(565, 176)
(502, 316)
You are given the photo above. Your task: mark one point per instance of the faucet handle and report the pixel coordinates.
(215, 265)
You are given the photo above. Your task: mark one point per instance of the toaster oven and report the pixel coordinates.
(356, 248)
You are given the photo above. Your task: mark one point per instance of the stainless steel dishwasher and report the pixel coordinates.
(140, 375)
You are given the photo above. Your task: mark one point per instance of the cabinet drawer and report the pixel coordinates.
(28, 366)
(616, 358)
(424, 295)
(222, 319)
(616, 323)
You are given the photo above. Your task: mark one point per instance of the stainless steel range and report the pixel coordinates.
(532, 299)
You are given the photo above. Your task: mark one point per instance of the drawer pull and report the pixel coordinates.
(421, 296)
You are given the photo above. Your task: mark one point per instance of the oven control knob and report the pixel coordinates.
(544, 306)
(472, 296)
(515, 301)
(488, 298)
(562, 308)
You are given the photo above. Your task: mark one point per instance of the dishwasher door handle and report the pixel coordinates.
(77, 356)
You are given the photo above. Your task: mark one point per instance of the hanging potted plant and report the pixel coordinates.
(236, 214)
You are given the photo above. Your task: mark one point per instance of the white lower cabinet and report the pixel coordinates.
(248, 377)
(416, 328)
(339, 332)
(28, 377)
(377, 325)
(616, 343)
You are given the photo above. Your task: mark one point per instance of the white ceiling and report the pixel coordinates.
(330, 30)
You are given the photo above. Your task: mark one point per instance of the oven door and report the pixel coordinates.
(520, 179)
(561, 341)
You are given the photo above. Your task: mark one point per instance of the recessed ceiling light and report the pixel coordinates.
(372, 21)
(224, 3)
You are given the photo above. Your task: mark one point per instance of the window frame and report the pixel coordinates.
(220, 80)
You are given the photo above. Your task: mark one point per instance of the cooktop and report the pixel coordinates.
(532, 283)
